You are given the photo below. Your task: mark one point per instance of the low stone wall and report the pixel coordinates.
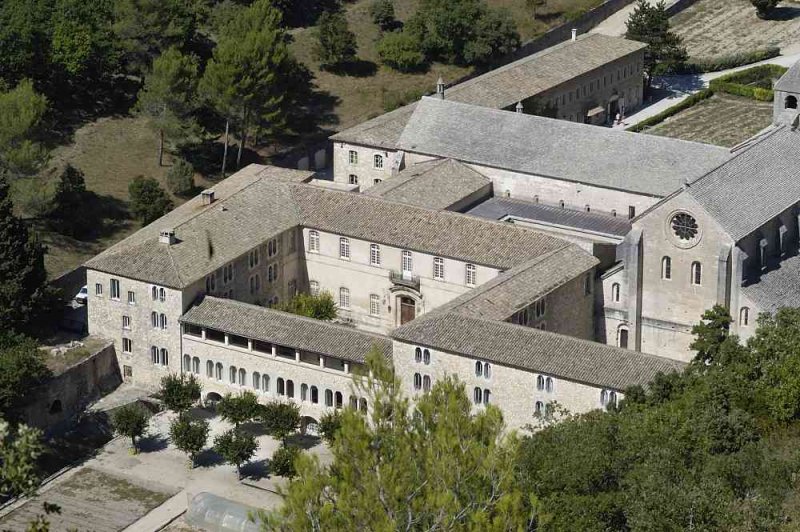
(55, 405)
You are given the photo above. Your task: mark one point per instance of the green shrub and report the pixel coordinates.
(336, 44)
(401, 51)
(148, 200)
(675, 109)
(282, 462)
(724, 62)
(754, 83)
(180, 178)
(329, 423)
(382, 12)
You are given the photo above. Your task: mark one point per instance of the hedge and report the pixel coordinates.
(675, 109)
(724, 62)
(745, 83)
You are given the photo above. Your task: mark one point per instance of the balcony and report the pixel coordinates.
(405, 279)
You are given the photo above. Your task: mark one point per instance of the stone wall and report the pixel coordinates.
(55, 405)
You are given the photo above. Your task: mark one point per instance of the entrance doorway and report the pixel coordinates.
(408, 309)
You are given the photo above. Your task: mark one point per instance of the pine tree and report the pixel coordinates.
(650, 24)
(24, 295)
(336, 44)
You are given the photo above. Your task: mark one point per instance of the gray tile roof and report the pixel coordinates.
(520, 286)
(778, 287)
(444, 233)
(790, 81)
(644, 164)
(507, 85)
(255, 206)
(501, 208)
(755, 186)
(290, 330)
(436, 184)
(534, 350)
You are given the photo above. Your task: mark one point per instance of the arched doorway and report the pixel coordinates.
(791, 102)
(212, 398)
(309, 426)
(622, 337)
(408, 309)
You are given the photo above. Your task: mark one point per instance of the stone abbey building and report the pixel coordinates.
(539, 260)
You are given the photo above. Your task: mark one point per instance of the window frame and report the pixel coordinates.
(374, 255)
(374, 305)
(470, 275)
(344, 298)
(313, 241)
(438, 268)
(344, 248)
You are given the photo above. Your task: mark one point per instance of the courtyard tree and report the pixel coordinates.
(189, 436)
(169, 98)
(236, 447)
(22, 369)
(24, 294)
(649, 23)
(251, 71)
(764, 7)
(283, 461)
(320, 307)
(238, 409)
(433, 465)
(130, 421)
(280, 419)
(180, 392)
(21, 113)
(149, 201)
(329, 425)
(336, 44)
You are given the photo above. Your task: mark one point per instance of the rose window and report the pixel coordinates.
(684, 226)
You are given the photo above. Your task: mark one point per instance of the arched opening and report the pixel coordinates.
(622, 337)
(408, 309)
(56, 407)
(790, 102)
(309, 426)
(212, 398)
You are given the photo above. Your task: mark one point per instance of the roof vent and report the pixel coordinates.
(208, 196)
(440, 88)
(519, 107)
(574, 33)
(167, 236)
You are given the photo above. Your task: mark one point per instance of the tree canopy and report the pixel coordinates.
(180, 392)
(149, 201)
(21, 113)
(336, 44)
(22, 368)
(320, 307)
(649, 23)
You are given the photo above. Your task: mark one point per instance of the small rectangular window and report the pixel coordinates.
(127, 345)
(126, 322)
(378, 161)
(353, 157)
(407, 262)
(114, 288)
(344, 298)
(344, 248)
(374, 255)
(438, 268)
(98, 289)
(313, 242)
(353, 179)
(631, 212)
(470, 277)
(131, 297)
(374, 305)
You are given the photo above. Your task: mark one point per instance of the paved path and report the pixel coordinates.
(683, 86)
(615, 24)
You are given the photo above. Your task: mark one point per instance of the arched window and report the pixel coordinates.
(328, 398)
(219, 371)
(487, 370)
(353, 402)
(744, 317)
(417, 381)
(256, 380)
(604, 397)
(209, 369)
(289, 388)
(154, 319)
(486, 395)
(478, 369)
(154, 292)
(164, 359)
(790, 102)
(154, 354)
(339, 399)
(265, 383)
(281, 388)
(362, 405)
(162, 320)
(622, 337)
(232, 374)
(540, 383)
(426, 357)
(304, 392)
(314, 395)
(697, 273)
(426, 383)
(196, 366)
(666, 268)
(612, 398)
(162, 294)
(477, 396)
(242, 377)
(187, 363)
(615, 292)
(538, 408)
(418, 355)
(548, 385)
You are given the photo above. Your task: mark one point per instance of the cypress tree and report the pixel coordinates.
(23, 291)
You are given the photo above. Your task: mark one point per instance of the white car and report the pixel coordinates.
(82, 296)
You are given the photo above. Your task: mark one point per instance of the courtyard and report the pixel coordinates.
(115, 489)
(722, 120)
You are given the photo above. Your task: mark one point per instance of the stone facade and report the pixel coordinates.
(356, 164)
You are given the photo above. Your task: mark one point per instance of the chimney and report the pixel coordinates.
(440, 88)
(167, 236)
(574, 33)
(519, 107)
(208, 196)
